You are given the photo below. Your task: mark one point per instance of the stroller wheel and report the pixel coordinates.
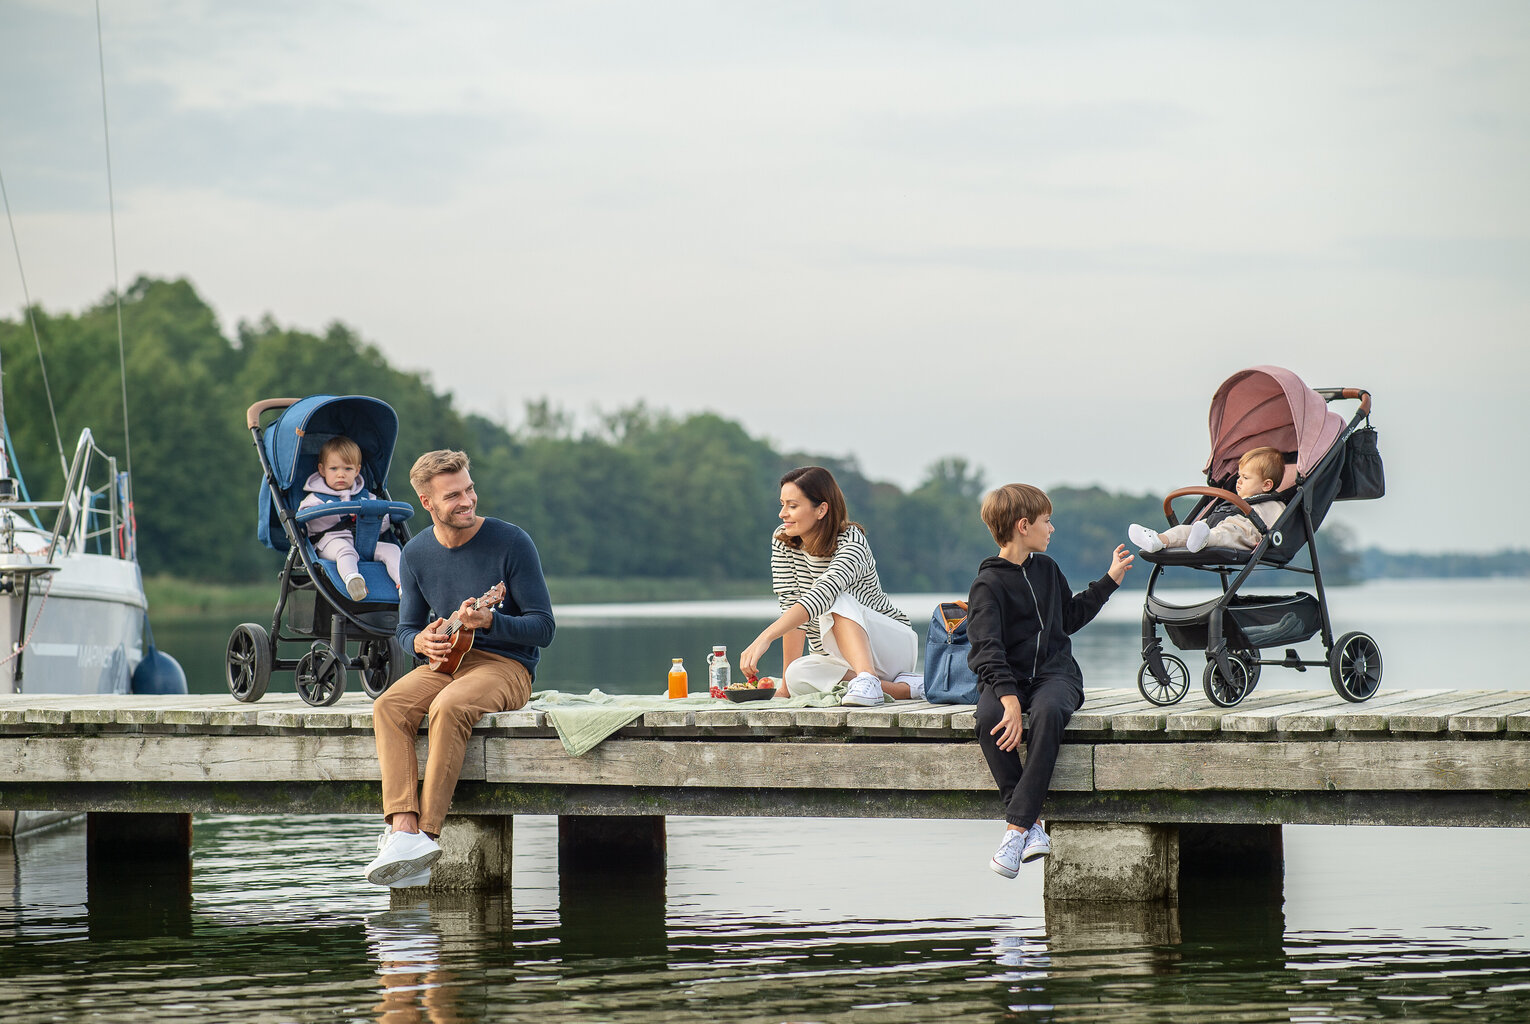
(1163, 692)
(247, 662)
(320, 677)
(1354, 663)
(1226, 693)
(383, 663)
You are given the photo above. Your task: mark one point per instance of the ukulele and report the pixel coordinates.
(462, 636)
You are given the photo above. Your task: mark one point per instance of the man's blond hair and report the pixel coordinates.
(1007, 505)
(432, 464)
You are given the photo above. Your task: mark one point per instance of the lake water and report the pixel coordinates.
(796, 919)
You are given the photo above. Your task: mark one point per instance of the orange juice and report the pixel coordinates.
(677, 680)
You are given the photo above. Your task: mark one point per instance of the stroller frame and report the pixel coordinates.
(316, 612)
(1233, 660)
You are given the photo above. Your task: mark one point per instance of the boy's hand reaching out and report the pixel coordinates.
(1008, 729)
(1119, 563)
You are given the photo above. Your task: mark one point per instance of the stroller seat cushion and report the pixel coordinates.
(380, 588)
(1203, 557)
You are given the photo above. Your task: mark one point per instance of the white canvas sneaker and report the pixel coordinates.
(1036, 846)
(1006, 859)
(864, 691)
(401, 855)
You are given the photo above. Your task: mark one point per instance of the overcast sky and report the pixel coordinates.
(1036, 235)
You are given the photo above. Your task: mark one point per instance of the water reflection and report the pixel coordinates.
(416, 941)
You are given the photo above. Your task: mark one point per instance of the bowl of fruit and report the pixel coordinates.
(762, 688)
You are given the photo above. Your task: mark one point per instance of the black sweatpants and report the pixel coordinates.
(1048, 703)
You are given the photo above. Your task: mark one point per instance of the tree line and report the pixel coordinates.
(641, 492)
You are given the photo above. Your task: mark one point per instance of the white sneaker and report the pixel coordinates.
(401, 855)
(864, 691)
(1198, 534)
(915, 681)
(412, 881)
(1036, 845)
(1006, 859)
(1145, 539)
(357, 588)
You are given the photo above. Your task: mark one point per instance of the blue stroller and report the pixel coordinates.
(313, 596)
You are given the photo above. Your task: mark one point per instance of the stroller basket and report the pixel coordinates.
(1255, 621)
(1276, 621)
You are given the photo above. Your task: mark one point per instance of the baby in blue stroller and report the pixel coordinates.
(331, 593)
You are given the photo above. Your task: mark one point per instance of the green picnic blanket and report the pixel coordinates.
(583, 720)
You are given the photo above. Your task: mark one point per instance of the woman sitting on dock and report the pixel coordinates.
(825, 580)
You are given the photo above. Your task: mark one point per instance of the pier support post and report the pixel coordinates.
(1248, 852)
(137, 874)
(137, 836)
(629, 842)
(475, 853)
(1106, 861)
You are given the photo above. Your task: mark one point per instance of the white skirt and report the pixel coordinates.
(894, 649)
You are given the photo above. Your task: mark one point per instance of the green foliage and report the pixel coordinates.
(642, 494)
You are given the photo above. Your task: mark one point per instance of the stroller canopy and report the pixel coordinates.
(1269, 406)
(293, 440)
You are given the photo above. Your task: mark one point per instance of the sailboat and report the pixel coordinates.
(72, 605)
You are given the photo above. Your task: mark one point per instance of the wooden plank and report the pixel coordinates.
(936, 717)
(1374, 718)
(666, 719)
(1340, 765)
(522, 718)
(133, 757)
(721, 717)
(1266, 719)
(1490, 719)
(725, 765)
(1199, 715)
(310, 718)
(1324, 719)
(821, 718)
(882, 716)
(1418, 718)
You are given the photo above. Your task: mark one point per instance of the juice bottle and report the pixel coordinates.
(677, 680)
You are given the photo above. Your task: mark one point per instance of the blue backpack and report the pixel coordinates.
(947, 678)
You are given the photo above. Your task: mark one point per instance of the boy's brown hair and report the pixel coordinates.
(1267, 463)
(432, 464)
(1004, 506)
(342, 448)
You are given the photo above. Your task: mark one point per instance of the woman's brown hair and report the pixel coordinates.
(820, 488)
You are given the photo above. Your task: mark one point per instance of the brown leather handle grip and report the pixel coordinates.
(1211, 492)
(252, 414)
(1329, 394)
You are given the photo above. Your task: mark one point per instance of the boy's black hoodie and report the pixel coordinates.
(1019, 619)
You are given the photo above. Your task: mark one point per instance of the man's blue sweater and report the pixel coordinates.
(435, 580)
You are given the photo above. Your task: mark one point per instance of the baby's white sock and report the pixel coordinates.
(1198, 534)
(1145, 539)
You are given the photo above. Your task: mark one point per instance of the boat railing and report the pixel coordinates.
(80, 519)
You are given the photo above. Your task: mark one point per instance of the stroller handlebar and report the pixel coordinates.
(252, 414)
(1331, 394)
(1211, 492)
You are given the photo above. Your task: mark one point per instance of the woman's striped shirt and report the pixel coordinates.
(814, 581)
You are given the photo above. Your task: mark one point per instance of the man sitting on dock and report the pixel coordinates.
(444, 571)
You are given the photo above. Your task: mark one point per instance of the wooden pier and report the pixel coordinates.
(1414, 757)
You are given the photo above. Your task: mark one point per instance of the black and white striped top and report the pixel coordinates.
(814, 582)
